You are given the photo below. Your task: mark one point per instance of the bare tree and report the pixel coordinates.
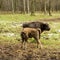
(13, 6)
(0, 4)
(32, 7)
(24, 6)
(49, 10)
(45, 7)
(28, 6)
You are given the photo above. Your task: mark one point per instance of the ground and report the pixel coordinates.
(10, 44)
(15, 52)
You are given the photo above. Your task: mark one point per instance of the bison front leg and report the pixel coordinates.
(22, 43)
(25, 46)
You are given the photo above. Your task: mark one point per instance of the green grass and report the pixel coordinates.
(26, 17)
(7, 25)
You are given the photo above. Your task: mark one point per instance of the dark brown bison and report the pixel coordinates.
(41, 25)
(29, 33)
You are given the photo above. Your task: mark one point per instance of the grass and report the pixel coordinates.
(8, 25)
(26, 17)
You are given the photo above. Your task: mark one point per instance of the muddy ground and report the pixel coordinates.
(15, 52)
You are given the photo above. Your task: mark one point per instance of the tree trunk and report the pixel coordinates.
(24, 6)
(45, 7)
(0, 5)
(32, 8)
(27, 6)
(12, 6)
(49, 10)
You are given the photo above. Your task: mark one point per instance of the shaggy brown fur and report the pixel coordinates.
(29, 33)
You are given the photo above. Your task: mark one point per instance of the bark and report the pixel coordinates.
(50, 8)
(24, 6)
(27, 6)
(12, 6)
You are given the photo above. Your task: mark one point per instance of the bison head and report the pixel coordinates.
(45, 27)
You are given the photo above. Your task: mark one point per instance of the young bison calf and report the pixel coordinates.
(29, 33)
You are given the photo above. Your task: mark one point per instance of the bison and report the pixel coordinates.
(41, 25)
(29, 33)
(33, 29)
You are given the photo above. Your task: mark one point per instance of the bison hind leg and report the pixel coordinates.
(39, 45)
(38, 41)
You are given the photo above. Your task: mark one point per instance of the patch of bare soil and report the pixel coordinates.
(15, 52)
(50, 19)
(47, 20)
